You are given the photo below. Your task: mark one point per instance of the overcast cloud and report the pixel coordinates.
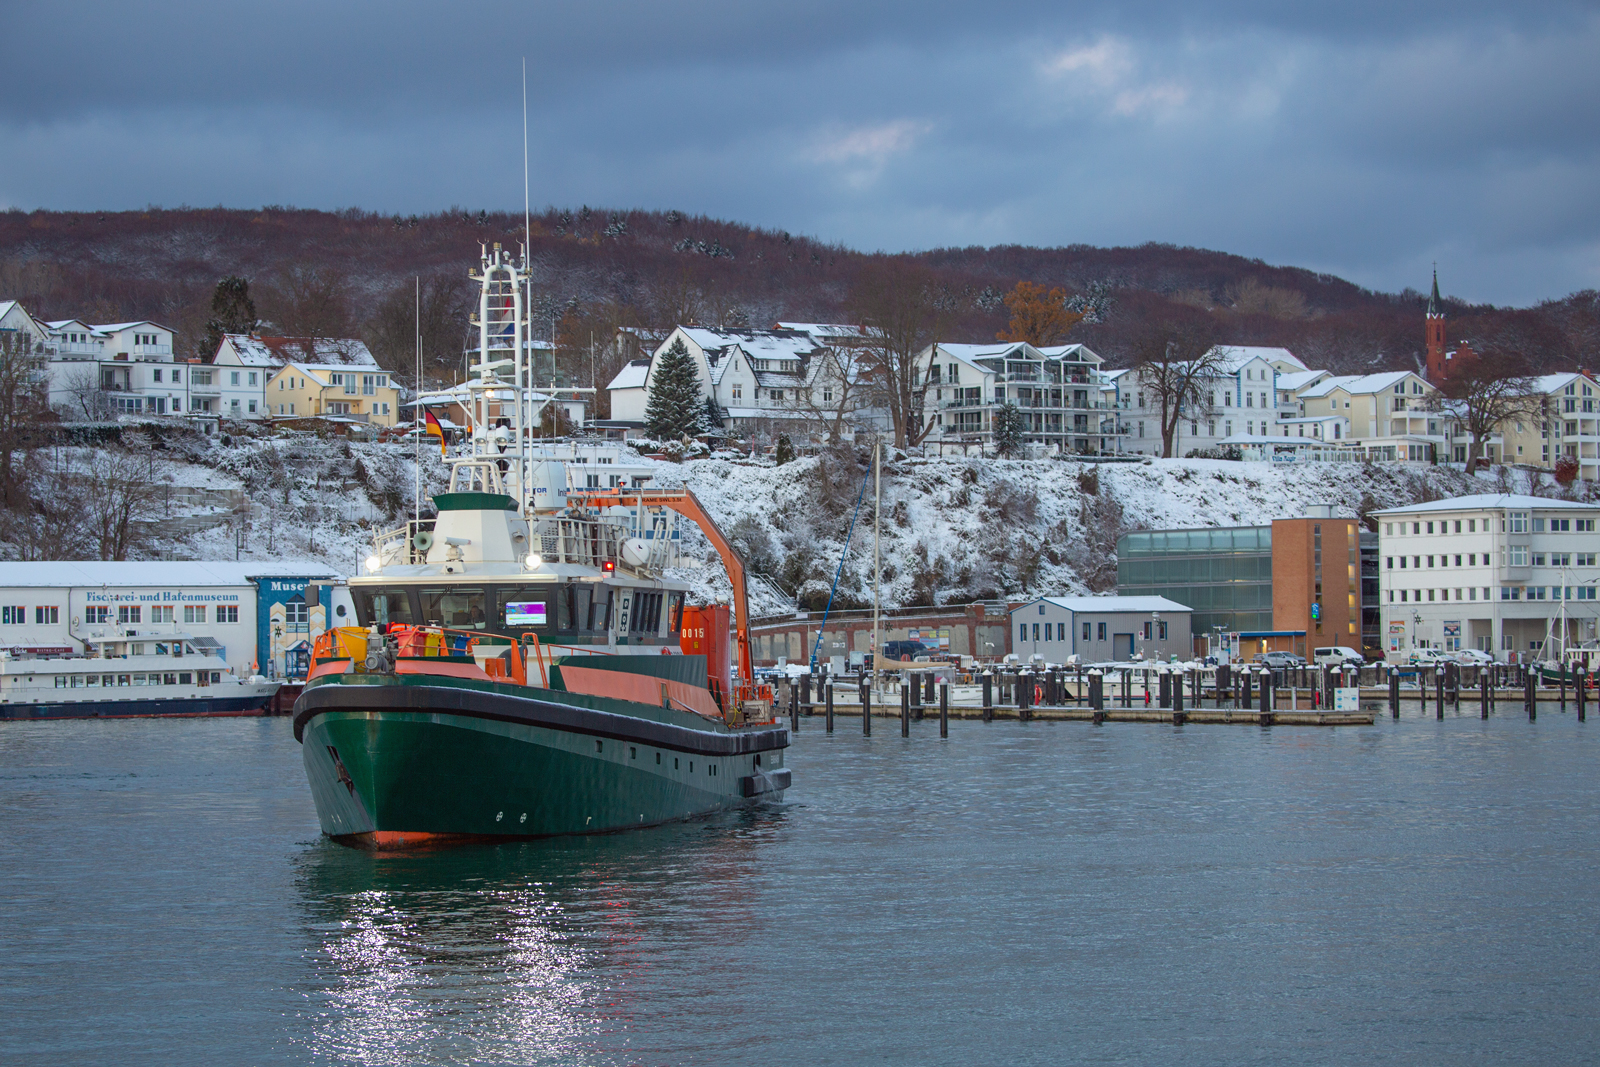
(1363, 139)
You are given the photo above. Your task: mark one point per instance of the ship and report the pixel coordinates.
(129, 673)
(519, 665)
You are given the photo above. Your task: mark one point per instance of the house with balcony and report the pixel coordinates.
(1562, 421)
(1392, 416)
(352, 393)
(246, 362)
(1068, 404)
(15, 320)
(780, 380)
(1243, 395)
(99, 371)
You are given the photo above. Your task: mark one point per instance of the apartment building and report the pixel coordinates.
(245, 363)
(1562, 422)
(1068, 403)
(1490, 571)
(1248, 393)
(100, 370)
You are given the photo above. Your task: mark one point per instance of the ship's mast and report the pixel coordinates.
(497, 457)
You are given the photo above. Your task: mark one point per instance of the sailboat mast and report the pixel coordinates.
(877, 555)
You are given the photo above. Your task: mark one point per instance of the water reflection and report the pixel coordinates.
(527, 952)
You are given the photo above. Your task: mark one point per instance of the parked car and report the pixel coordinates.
(908, 650)
(1337, 656)
(1427, 656)
(1279, 660)
(1474, 657)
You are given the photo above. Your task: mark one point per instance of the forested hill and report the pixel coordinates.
(349, 272)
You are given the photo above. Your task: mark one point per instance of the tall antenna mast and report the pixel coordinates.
(417, 416)
(525, 399)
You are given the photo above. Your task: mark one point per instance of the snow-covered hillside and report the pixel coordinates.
(954, 529)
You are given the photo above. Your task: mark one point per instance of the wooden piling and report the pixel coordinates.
(1530, 693)
(944, 709)
(1266, 697)
(866, 709)
(1485, 689)
(1438, 693)
(905, 710)
(1394, 692)
(829, 692)
(988, 697)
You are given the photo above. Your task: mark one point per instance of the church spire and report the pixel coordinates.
(1433, 298)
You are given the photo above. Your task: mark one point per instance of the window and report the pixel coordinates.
(1388, 528)
(155, 375)
(252, 377)
(128, 614)
(161, 613)
(97, 616)
(1086, 631)
(177, 375)
(738, 392)
(1583, 525)
(1149, 630)
(228, 613)
(1518, 521)
(233, 377)
(47, 615)
(1560, 525)
(297, 616)
(1389, 561)
(252, 407)
(1163, 630)
(1036, 631)
(1585, 559)
(13, 616)
(1100, 631)
(369, 385)
(1516, 555)
(1022, 632)
(194, 613)
(1538, 559)
(1538, 524)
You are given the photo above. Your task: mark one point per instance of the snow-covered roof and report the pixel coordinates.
(826, 331)
(1268, 439)
(1357, 384)
(973, 353)
(1070, 353)
(1296, 380)
(632, 375)
(1490, 502)
(1549, 383)
(1107, 603)
(254, 350)
(1236, 356)
(118, 327)
(58, 325)
(756, 344)
(170, 573)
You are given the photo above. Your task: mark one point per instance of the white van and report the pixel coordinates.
(1338, 656)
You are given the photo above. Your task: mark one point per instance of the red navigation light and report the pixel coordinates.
(609, 565)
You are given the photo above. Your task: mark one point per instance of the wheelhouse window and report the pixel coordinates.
(646, 616)
(379, 607)
(462, 609)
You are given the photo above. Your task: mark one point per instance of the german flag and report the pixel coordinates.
(431, 426)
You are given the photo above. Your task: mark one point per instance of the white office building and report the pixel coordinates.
(1492, 572)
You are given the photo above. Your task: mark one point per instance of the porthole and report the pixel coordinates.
(674, 762)
(633, 753)
(599, 746)
(658, 757)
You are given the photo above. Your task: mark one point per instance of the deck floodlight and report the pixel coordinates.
(533, 561)
(373, 563)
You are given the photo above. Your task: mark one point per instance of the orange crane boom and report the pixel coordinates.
(685, 503)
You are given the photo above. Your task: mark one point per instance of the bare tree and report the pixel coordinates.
(118, 498)
(1177, 366)
(310, 301)
(1483, 392)
(833, 392)
(23, 395)
(82, 384)
(903, 312)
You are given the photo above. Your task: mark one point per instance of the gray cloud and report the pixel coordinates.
(1366, 139)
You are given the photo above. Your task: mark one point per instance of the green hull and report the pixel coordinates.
(419, 759)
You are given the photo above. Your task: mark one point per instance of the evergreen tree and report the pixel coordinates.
(675, 407)
(1008, 430)
(232, 311)
(785, 452)
(712, 418)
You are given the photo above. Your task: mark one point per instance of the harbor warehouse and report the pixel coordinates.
(257, 612)
(1099, 629)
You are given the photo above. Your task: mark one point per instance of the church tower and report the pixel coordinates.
(1435, 326)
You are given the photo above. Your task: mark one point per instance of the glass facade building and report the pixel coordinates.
(1223, 573)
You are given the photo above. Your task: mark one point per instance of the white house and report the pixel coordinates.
(124, 368)
(1489, 571)
(14, 319)
(777, 376)
(1245, 394)
(1391, 416)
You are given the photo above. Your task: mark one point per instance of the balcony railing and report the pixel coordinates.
(152, 350)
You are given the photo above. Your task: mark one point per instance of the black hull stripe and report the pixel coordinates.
(505, 707)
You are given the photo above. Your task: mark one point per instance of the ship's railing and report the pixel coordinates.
(399, 545)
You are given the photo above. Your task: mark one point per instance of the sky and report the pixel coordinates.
(1367, 139)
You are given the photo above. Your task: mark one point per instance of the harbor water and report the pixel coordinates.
(1412, 892)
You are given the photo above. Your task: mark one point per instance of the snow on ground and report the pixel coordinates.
(953, 529)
